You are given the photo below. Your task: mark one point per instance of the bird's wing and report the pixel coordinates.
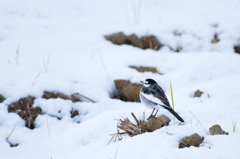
(159, 93)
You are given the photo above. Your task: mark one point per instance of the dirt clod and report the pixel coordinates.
(24, 109)
(193, 140)
(156, 123)
(145, 42)
(127, 91)
(198, 93)
(1, 98)
(217, 130)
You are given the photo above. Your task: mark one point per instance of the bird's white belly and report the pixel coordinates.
(149, 103)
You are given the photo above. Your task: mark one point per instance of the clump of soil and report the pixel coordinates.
(193, 140)
(145, 42)
(198, 93)
(127, 91)
(237, 48)
(76, 97)
(131, 129)
(1, 98)
(144, 69)
(157, 123)
(217, 130)
(24, 109)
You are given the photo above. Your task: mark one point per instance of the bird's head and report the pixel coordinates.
(148, 82)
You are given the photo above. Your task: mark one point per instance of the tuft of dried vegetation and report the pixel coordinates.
(126, 91)
(76, 97)
(130, 129)
(145, 69)
(24, 109)
(215, 39)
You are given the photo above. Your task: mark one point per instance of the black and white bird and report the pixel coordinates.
(153, 96)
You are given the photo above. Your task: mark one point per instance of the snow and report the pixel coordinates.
(61, 47)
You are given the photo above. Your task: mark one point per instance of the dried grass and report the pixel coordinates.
(141, 126)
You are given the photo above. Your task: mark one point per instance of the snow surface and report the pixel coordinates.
(70, 36)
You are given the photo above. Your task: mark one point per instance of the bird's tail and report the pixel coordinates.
(175, 114)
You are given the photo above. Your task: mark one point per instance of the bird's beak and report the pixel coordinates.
(142, 82)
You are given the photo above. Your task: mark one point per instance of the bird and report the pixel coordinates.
(153, 96)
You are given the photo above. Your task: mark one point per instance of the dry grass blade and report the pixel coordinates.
(11, 132)
(196, 118)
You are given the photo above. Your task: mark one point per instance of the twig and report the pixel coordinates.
(195, 117)
(30, 115)
(17, 53)
(169, 133)
(48, 126)
(103, 65)
(46, 64)
(78, 94)
(135, 119)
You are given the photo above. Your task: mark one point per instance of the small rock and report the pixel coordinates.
(1, 98)
(193, 140)
(144, 69)
(237, 48)
(127, 91)
(198, 93)
(156, 123)
(217, 130)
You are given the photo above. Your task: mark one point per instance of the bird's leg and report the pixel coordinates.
(156, 113)
(152, 111)
(151, 114)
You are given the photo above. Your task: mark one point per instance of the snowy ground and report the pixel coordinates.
(71, 34)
